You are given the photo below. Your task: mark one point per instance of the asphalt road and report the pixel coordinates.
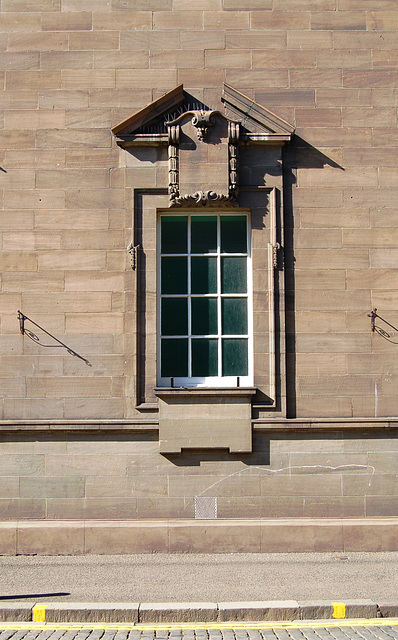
(200, 577)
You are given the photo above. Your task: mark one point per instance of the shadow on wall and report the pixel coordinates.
(299, 154)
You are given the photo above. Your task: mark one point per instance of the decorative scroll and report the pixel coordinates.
(202, 121)
(203, 198)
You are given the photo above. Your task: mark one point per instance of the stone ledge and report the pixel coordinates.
(151, 423)
(74, 537)
(194, 612)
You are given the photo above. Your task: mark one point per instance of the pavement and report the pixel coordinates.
(361, 630)
(200, 588)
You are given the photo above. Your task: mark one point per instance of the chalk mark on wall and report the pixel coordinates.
(303, 468)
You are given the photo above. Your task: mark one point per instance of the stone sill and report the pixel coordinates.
(205, 391)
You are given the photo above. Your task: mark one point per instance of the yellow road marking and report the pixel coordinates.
(39, 612)
(338, 610)
(295, 624)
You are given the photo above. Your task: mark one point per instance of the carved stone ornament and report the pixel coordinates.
(203, 198)
(202, 120)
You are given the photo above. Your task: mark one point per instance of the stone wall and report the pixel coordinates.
(73, 69)
(108, 477)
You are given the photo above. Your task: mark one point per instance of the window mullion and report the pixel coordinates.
(219, 341)
(189, 301)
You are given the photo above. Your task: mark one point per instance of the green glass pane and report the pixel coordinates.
(204, 357)
(233, 234)
(233, 275)
(203, 275)
(174, 234)
(203, 234)
(174, 275)
(234, 357)
(234, 316)
(204, 316)
(174, 358)
(174, 316)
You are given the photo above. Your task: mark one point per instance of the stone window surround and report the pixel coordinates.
(145, 221)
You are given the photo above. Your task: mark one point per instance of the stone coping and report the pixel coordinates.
(195, 612)
(73, 537)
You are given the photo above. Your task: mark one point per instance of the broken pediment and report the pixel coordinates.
(203, 143)
(149, 126)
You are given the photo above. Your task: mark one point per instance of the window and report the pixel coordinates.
(204, 300)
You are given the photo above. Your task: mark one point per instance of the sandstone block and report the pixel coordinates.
(31, 5)
(33, 79)
(14, 409)
(289, 97)
(343, 97)
(228, 59)
(139, 5)
(83, 79)
(50, 538)
(87, 5)
(119, 60)
(305, 39)
(145, 78)
(93, 40)
(260, 78)
(64, 138)
(77, 21)
(37, 41)
(212, 536)
(19, 61)
(92, 509)
(219, 20)
(83, 409)
(16, 509)
(18, 21)
(283, 60)
(339, 20)
(121, 20)
(63, 99)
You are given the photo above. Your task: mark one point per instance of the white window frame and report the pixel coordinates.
(211, 381)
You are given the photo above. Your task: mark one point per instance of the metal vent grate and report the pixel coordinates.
(205, 508)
